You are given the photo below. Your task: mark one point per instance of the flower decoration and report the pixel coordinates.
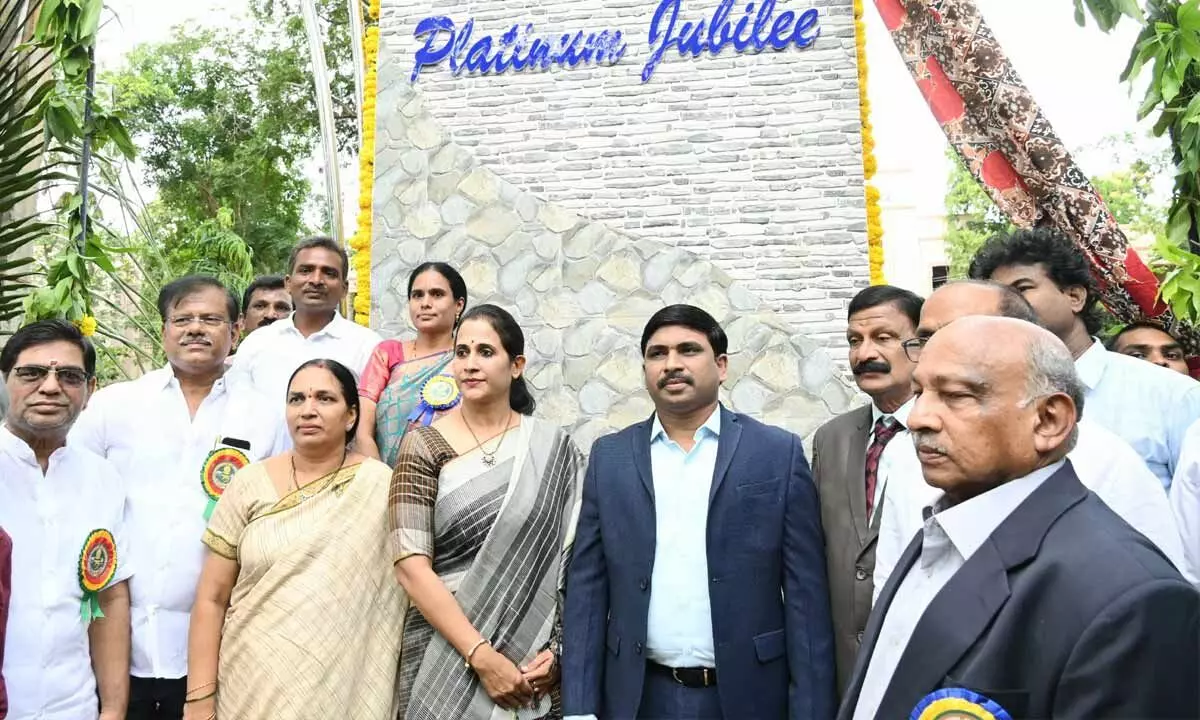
(86, 325)
(97, 566)
(360, 242)
(874, 214)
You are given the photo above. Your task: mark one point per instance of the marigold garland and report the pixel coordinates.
(360, 243)
(874, 214)
(87, 325)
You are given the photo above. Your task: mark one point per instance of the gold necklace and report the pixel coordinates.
(489, 458)
(296, 486)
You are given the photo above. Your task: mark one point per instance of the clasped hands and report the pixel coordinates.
(512, 687)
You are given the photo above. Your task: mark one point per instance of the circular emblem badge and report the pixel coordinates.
(440, 392)
(97, 561)
(958, 704)
(219, 467)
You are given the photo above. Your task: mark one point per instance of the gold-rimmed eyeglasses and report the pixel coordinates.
(912, 348)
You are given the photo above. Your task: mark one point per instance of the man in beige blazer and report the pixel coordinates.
(848, 464)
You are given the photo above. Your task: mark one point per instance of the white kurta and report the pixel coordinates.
(47, 663)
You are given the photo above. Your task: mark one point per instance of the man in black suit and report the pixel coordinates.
(1023, 592)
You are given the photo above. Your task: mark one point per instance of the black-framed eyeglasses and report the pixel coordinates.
(183, 321)
(912, 348)
(72, 377)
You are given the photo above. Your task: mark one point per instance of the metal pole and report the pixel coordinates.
(333, 187)
(357, 29)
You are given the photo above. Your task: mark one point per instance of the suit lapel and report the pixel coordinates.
(641, 455)
(856, 473)
(727, 442)
(962, 611)
(875, 623)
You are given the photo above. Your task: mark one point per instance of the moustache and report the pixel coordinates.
(195, 340)
(872, 366)
(266, 321)
(924, 440)
(673, 377)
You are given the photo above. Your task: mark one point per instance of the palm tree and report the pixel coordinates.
(26, 79)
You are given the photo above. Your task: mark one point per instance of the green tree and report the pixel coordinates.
(225, 119)
(971, 218)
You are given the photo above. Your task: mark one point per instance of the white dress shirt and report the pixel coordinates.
(145, 430)
(47, 661)
(887, 461)
(679, 622)
(951, 536)
(1105, 464)
(1147, 405)
(269, 355)
(1185, 496)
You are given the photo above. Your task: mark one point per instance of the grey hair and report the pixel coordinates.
(1051, 371)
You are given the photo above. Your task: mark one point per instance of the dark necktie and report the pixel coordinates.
(885, 429)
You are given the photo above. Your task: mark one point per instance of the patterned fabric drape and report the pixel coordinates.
(993, 123)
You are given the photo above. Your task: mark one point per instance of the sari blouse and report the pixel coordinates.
(315, 619)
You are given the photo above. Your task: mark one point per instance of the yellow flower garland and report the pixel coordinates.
(360, 243)
(87, 325)
(874, 216)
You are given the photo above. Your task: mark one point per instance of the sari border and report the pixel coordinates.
(295, 498)
(220, 545)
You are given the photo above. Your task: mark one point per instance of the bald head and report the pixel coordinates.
(972, 297)
(998, 398)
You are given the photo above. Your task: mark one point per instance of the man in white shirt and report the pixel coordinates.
(1024, 595)
(265, 301)
(849, 452)
(1104, 462)
(177, 435)
(317, 283)
(1149, 406)
(67, 639)
(1185, 495)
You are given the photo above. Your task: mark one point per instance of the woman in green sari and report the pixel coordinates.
(408, 383)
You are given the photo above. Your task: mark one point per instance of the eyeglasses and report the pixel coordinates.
(71, 377)
(183, 321)
(912, 348)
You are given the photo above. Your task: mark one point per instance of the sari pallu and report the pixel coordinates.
(391, 382)
(314, 622)
(499, 538)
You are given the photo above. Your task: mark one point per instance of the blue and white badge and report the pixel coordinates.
(440, 393)
(958, 704)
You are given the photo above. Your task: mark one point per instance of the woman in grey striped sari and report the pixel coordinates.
(483, 506)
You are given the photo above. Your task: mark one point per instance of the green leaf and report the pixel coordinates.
(89, 19)
(1188, 16)
(1179, 223)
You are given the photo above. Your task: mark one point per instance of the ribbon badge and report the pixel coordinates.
(97, 565)
(219, 467)
(958, 704)
(440, 393)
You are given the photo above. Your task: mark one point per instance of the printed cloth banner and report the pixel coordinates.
(993, 123)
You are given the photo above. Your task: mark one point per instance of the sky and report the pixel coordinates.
(1073, 73)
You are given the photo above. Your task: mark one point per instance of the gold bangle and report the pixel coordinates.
(200, 687)
(476, 646)
(202, 697)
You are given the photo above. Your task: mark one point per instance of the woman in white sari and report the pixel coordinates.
(483, 510)
(297, 614)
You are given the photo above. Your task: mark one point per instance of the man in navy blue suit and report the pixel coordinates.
(698, 586)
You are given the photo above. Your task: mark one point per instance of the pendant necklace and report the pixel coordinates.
(489, 458)
(296, 486)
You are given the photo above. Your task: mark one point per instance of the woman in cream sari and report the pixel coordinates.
(483, 510)
(296, 613)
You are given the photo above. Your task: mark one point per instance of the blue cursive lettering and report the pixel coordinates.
(749, 31)
(511, 51)
(756, 29)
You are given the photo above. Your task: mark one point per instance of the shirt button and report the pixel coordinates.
(860, 573)
(637, 648)
(643, 584)
(859, 637)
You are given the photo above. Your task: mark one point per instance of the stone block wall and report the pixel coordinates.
(583, 200)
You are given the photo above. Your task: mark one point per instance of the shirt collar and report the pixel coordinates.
(335, 328)
(711, 426)
(19, 450)
(971, 523)
(900, 416)
(164, 378)
(1091, 364)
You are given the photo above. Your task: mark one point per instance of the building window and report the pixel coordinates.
(940, 275)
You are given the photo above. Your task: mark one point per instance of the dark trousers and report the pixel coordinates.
(156, 699)
(665, 699)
